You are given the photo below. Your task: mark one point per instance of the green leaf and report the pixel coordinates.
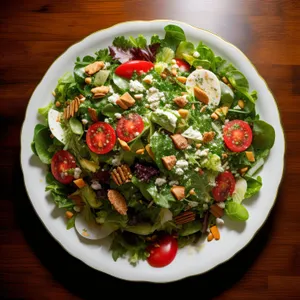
(155, 39)
(227, 95)
(190, 228)
(139, 42)
(253, 186)
(166, 119)
(162, 197)
(103, 55)
(142, 186)
(76, 126)
(71, 222)
(206, 54)
(122, 42)
(42, 142)
(186, 48)
(165, 55)
(263, 135)
(236, 211)
(110, 110)
(174, 35)
(121, 83)
(101, 77)
(43, 111)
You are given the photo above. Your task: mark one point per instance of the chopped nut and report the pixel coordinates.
(147, 80)
(217, 211)
(181, 79)
(222, 111)
(210, 237)
(214, 116)
(163, 75)
(100, 90)
(94, 67)
(241, 104)
(79, 182)
(140, 151)
(93, 114)
(224, 155)
(198, 146)
(88, 80)
(150, 152)
(224, 79)
(127, 99)
(69, 214)
(199, 67)
(192, 192)
(169, 161)
(203, 108)
(250, 156)
(215, 232)
(181, 101)
(121, 174)
(243, 171)
(201, 95)
(124, 145)
(183, 113)
(138, 96)
(208, 136)
(72, 108)
(185, 217)
(178, 192)
(193, 106)
(179, 141)
(118, 201)
(121, 104)
(174, 71)
(57, 104)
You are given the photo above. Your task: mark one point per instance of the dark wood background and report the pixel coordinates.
(32, 34)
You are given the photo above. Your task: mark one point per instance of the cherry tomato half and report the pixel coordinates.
(225, 184)
(183, 65)
(128, 127)
(101, 137)
(237, 135)
(61, 162)
(127, 69)
(164, 254)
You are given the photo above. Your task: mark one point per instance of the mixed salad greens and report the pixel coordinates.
(151, 143)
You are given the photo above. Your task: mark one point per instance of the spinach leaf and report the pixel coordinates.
(121, 83)
(227, 95)
(42, 142)
(206, 54)
(76, 126)
(110, 110)
(162, 197)
(142, 187)
(71, 222)
(190, 228)
(174, 35)
(253, 186)
(185, 48)
(161, 146)
(43, 111)
(236, 211)
(263, 135)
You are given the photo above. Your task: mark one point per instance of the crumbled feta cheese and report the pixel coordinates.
(111, 90)
(192, 134)
(202, 153)
(219, 221)
(175, 66)
(193, 203)
(136, 133)
(113, 98)
(189, 147)
(196, 54)
(154, 96)
(154, 105)
(173, 182)
(116, 161)
(77, 172)
(106, 120)
(179, 171)
(236, 107)
(205, 206)
(138, 96)
(118, 115)
(96, 185)
(226, 121)
(197, 169)
(182, 164)
(160, 181)
(136, 86)
(106, 65)
(221, 204)
(84, 121)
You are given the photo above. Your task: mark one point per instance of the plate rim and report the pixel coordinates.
(266, 217)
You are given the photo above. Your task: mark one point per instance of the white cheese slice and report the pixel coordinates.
(208, 82)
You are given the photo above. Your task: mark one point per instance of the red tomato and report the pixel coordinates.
(183, 65)
(164, 254)
(101, 137)
(127, 69)
(129, 127)
(61, 162)
(237, 135)
(225, 184)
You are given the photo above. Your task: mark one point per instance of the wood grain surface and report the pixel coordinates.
(33, 34)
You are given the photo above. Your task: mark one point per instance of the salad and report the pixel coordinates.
(150, 143)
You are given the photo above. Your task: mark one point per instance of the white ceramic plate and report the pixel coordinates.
(191, 260)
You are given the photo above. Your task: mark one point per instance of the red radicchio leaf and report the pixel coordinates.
(123, 56)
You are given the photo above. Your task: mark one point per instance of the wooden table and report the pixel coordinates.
(33, 33)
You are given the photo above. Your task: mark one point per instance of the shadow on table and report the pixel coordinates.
(87, 283)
